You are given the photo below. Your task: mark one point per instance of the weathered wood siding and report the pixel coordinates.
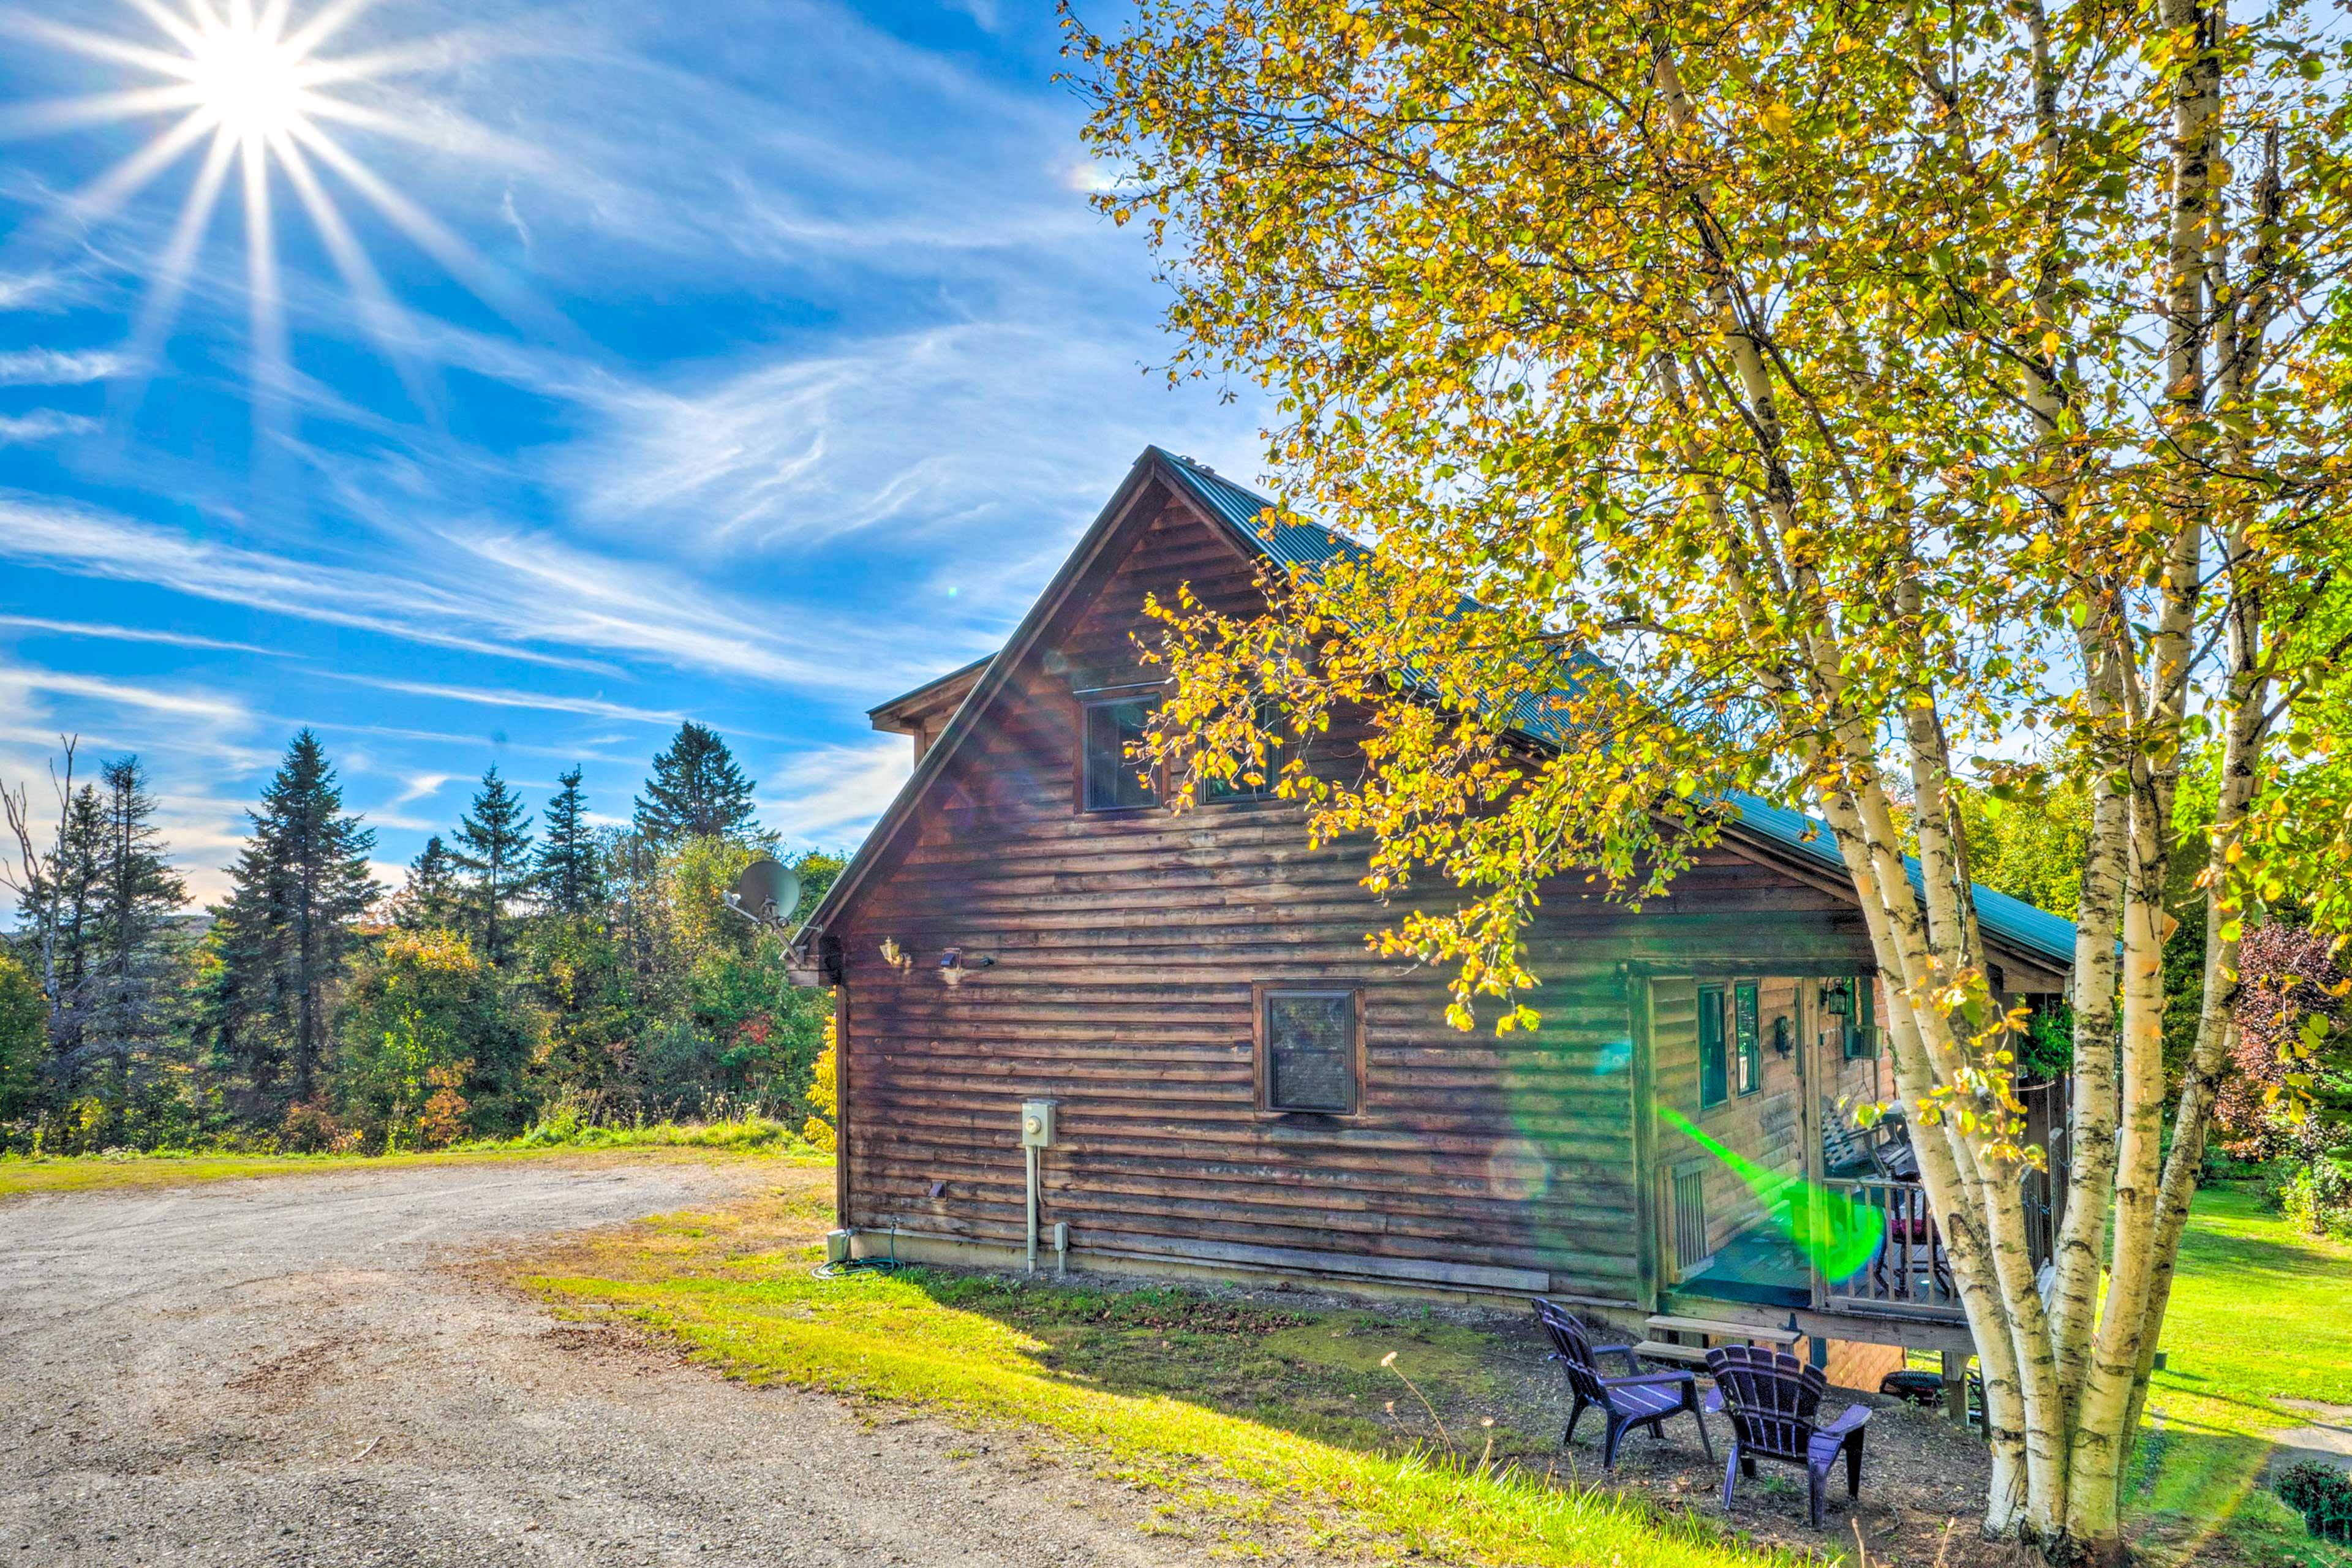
(1126, 947)
(1766, 1127)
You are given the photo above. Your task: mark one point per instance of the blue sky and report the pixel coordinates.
(749, 361)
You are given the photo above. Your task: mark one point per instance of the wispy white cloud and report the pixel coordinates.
(196, 743)
(540, 701)
(829, 796)
(420, 786)
(50, 367)
(512, 594)
(131, 634)
(177, 702)
(42, 290)
(817, 445)
(103, 545)
(573, 597)
(43, 425)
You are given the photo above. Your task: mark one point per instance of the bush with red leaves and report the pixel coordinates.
(2291, 976)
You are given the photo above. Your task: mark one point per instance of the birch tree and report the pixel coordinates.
(1827, 402)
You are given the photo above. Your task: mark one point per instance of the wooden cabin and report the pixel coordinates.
(1235, 1085)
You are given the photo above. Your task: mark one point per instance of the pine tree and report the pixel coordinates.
(696, 791)
(135, 895)
(297, 889)
(496, 850)
(429, 899)
(68, 893)
(569, 868)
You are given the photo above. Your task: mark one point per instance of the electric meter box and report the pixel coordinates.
(1036, 1124)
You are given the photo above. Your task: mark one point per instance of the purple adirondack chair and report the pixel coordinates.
(1639, 1399)
(1773, 1400)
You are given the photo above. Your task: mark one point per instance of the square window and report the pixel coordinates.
(1714, 1063)
(1113, 780)
(1307, 1055)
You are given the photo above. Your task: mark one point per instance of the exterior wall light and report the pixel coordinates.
(954, 965)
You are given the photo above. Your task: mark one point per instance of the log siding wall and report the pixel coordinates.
(1126, 946)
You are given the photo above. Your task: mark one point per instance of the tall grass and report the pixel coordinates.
(573, 1121)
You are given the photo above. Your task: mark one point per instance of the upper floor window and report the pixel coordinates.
(1112, 778)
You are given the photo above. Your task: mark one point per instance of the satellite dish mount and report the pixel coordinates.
(767, 893)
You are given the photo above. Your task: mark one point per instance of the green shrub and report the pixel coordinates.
(2318, 1200)
(2323, 1495)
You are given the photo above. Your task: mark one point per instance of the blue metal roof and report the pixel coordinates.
(2010, 920)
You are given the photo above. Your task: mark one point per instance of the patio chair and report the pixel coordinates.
(1772, 1400)
(1883, 1151)
(1637, 1399)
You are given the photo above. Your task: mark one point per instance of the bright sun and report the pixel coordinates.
(249, 81)
(245, 81)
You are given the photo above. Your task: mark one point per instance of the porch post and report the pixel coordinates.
(1955, 1386)
(1809, 1122)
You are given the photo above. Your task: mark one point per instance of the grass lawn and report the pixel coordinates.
(1256, 1422)
(2259, 1313)
(1251, 1422)
(21, 1176)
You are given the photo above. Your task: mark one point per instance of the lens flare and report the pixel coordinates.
(1837, 1232)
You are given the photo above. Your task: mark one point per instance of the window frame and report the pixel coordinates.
(1263, 994)
(1082, 794)
(1710, 1006)
(1239, 793)
(1746, 1044)
(1860, 1044)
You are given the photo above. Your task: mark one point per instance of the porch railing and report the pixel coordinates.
(1908, 1270)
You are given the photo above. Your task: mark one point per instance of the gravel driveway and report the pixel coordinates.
(277, 1372)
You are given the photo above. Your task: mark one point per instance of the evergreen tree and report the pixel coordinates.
(127, 967)
(429, 899)
(696, 791)
(62, 902)
(24, 1032)
(570, 867)
(496, 850)
(297, 889)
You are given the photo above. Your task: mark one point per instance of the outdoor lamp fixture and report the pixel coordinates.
(954, 965)
(1837, 997)
(895, 956)
(1783, 1038)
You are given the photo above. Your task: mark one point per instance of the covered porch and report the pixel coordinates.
(1774, 1205)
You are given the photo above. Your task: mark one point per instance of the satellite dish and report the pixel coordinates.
(767, 892)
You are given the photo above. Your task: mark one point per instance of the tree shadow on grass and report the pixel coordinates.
(1312, 1370)
(2195, 1498)
(1323, 1370)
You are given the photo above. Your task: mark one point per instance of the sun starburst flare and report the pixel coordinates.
(254, 91)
